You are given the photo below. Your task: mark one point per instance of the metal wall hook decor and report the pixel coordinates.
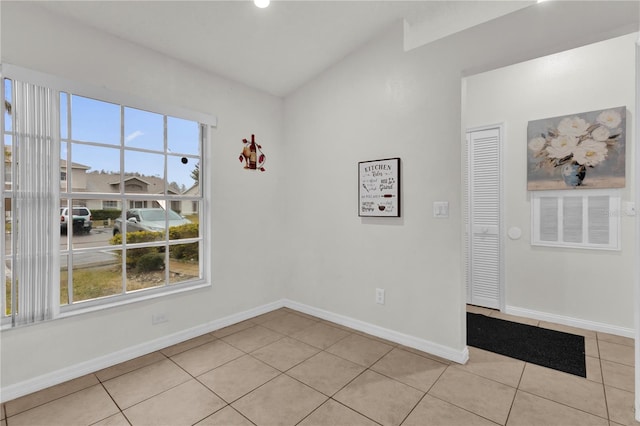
(252, 155)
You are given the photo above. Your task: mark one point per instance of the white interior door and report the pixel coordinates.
(484, 222)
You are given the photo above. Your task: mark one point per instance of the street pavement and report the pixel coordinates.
(98, 237)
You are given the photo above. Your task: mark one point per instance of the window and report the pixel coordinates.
(114, 155)
(109, 205)
(137, 204)
(579, 219)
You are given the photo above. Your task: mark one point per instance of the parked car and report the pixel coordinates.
(81, 220)
(151, 219)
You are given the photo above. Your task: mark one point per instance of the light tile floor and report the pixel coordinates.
(287, 368)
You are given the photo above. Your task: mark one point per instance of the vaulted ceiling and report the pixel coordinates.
(279, 48)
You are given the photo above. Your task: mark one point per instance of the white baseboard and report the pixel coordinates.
(53, 378)
(459, 356)
(78, 370)
(570, 321)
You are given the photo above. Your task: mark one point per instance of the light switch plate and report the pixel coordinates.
(441, 209)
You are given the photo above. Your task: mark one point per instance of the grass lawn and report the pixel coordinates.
(93, 283)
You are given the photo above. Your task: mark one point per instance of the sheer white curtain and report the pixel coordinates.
(36, 165)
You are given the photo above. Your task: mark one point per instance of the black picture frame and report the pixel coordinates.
(379, 188)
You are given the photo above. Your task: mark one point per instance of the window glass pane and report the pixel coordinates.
(145, 268)
(144, 172)
(183, 136)
(63, 217)
(64, 175)
(95, 169)
(182, 174)
(8, 237)
(7, 287)
(7, 162)
(572, 219)
(175, 206)
(183, 262)
(191, 210)
(7, 107)
(64, 280)
(143, 129)
(95, 121)
(64, 116)
(183, 229)
(7, 225)
(96, 274)
(76, 222)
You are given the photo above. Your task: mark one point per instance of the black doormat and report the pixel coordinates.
(548, 348)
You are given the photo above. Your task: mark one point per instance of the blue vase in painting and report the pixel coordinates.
(573, 174)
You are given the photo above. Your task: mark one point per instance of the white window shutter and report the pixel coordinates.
(548, 219)
(572, 220)
(578, 219)
(599, 229)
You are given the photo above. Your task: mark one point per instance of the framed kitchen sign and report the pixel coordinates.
(379, 188)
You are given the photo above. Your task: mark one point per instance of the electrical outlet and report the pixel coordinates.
(159, 318)
(380, 296)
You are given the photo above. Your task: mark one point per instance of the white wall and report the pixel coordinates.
(587, 285)
(381, 102)
(294, 231)
(378, 103)
(246, 211)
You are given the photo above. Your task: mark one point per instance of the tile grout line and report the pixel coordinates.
(451, 403)
(515, 394)
(54, 399)
(115, 403)
(328, 397)
(604, 389)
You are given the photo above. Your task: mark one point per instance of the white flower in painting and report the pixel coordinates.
(600, 133)
(573, 126)
(590, 152)
(609, 118)
(562, 146)
(536, 144)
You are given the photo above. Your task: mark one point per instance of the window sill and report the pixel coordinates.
(116, 301)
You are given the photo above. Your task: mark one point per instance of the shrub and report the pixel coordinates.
(149, 262)
(138, 237)
(188, 230)
(184, 251)
(134, 254)
(105, 214)
(187, 251)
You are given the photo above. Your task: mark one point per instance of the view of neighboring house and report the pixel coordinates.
(189, 207)
(109, 182)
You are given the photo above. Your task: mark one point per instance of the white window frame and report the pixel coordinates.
(208, 123)
(614, 218)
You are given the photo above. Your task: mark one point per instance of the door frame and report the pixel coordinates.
(501, 224)
(637, 268)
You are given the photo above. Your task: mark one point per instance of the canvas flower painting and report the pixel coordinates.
(585, 150)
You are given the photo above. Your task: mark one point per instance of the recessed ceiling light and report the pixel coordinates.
(261, 3)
